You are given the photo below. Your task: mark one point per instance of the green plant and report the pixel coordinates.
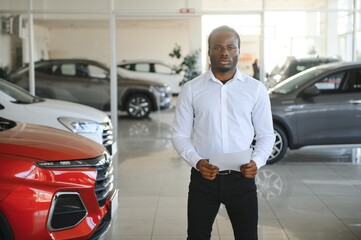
(4, 72)
(188, 65)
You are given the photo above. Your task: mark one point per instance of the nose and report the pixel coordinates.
(224, 51)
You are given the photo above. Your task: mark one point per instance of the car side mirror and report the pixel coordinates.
(311, 91)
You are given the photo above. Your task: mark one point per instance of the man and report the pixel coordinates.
(255, 69)
(223, 110)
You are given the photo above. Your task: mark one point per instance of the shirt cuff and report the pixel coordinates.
(259, 162)
(193, 161)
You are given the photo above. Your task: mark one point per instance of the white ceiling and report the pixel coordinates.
(141, 12)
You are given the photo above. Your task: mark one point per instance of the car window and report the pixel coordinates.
(81, 70)
(163, 69)
(353, 81)
(300, 68)
(47, 69)
(143, 67)
(303, 66)
(356, 84)
(293, 83)
(275, 70)
(346, 81)
(68, 69)
(283, 68)
(97, 72)
(330, 83)
(130, 67)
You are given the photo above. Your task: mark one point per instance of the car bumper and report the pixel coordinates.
(33, 213)
(165, 103)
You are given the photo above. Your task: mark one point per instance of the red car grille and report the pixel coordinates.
(104, 182)
(108, 136)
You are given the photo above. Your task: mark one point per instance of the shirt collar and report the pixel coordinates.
(237, 76)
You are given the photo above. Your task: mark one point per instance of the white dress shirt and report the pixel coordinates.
(212, 117)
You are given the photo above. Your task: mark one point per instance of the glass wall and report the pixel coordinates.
(299, 34)
(308, 28)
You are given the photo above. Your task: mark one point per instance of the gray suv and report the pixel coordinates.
(319, 106)
(87, 82)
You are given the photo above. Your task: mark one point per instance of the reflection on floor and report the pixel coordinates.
(312, 194)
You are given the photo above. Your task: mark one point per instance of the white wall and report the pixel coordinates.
(79, 43)
(41, 40)
(137, 40)
(152, 40)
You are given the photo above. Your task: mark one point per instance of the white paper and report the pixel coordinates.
(230, 161)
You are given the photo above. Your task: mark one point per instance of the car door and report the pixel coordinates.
(167, 75)
(73, 81)
(333, 116)
(96, 86)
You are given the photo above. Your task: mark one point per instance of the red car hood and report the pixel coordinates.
(46, 143)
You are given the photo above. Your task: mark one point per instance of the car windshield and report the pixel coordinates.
(293, 83)
(16, 94)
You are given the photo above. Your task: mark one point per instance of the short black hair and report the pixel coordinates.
(223, 28)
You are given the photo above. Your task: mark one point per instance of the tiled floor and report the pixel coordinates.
(312, 194)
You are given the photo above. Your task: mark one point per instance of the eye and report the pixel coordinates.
(217, 48)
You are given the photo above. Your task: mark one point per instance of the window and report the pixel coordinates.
(82, 70)
(97, 72)
(349, 81)
(160, 68)
(330, 83)
(128, 67)
(353, 82)
(68, 69)
(142, 67)
(47, 69)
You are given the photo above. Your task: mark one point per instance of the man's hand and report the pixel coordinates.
(207, 170)
(249, 170)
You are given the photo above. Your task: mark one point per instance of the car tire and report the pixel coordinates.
(5, 229)
(280, 147)
(138, 106)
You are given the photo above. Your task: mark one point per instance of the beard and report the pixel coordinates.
(225, 69)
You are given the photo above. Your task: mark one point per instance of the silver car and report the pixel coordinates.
(319, 106)
(87, 82)
(152, 70)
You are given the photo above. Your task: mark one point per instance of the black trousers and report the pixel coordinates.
(237, 193)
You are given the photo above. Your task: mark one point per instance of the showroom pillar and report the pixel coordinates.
(31, 48)
(262, 75)
(113, 74)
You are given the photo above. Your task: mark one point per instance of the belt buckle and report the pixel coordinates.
(224, 173)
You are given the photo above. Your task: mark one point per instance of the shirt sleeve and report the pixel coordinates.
(263, 125)
(183, 126)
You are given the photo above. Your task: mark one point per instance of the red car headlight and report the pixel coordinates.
(102, 164)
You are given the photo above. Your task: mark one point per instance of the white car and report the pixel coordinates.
(151, 70)
(19, 105)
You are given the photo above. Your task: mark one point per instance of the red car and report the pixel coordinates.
(53, 184)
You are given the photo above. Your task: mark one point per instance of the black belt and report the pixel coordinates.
(225, 172)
